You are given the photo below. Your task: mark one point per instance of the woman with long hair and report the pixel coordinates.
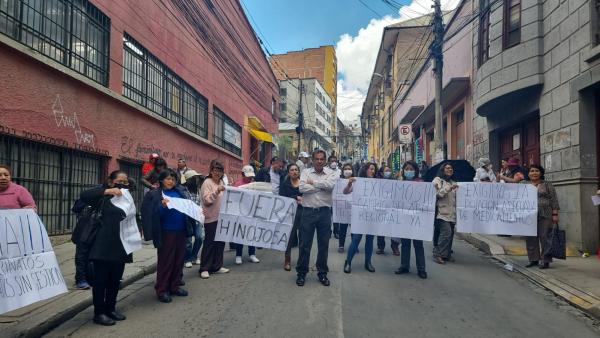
(347, 173)
(410, 173)
(107, 253)
(291, 188)
(211, 258)
(386, 173)
(369, 170)
(547, 217)
(446, 186)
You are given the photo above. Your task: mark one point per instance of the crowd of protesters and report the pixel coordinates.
(182, 242)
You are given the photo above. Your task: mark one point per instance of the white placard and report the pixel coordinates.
(129, 232)
(185, 206)
(497, 208)
(342, 203)
(596, 200)
(256, 218)
(393, 208)
(29, 271)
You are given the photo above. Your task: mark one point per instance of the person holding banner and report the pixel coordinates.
(12, 195)
(484, 173)
(445, 222)
(291, 188)
(410, 172)
(168, 228)
(247, 178)
(368, 171)
(347, 173)
(211, 257)
(107, 253)
(316, 186)
(193, 181)
(547, 217)
(385, 172)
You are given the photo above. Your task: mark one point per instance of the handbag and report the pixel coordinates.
(556, 243)
(88, 224)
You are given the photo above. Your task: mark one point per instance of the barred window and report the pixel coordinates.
(484, 31)
(227, 133)
(150, 83)
(72, 32)
(512, 23)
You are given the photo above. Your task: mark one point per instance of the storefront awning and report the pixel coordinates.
(261, 135)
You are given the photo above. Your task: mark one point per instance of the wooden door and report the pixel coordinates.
(531, 142)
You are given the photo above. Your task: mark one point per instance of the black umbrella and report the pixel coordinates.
(463, 171)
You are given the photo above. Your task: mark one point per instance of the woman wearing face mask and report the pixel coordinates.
(410, 172)
(107, 252)
(291, 188)
(446, 186)
(333, 165)
(484, 173)
(386, 173)
(368, 171)
(347, 173)
(169, 229)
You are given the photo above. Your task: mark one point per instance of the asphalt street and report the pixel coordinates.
(473, 297)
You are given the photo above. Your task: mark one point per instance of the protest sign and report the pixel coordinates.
(29, 271)
(393, 208)
(342, 204)
(497, 208)
(255, 218)
(185, 206)
(129, 232)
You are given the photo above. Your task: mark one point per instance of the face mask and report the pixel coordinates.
(387, 174)
(333, 165)
(347, 173)
(409, 174)
(121, 186)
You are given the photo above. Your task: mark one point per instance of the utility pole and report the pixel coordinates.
(438, 65)
(300, 127)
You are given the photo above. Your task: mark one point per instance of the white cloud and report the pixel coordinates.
(356, 56)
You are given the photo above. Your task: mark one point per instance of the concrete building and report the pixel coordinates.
(537, 99)
(308, 96)
(319, 63)
(93, 86)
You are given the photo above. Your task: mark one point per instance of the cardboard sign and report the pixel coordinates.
(342, 203)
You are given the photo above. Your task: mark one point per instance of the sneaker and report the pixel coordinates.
(204, 275)
(197, 262)
(188, 265)
(83, 285)
(254, 259)
(222, 270)
(238, 260)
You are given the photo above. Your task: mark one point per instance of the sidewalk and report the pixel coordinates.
(576, 279)
(38, 318)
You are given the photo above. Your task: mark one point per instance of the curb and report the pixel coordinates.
(583, 300)
(56, 319)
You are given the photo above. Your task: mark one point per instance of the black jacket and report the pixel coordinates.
(263, 175)
(286, 189)
(151, 215)
(107, 245)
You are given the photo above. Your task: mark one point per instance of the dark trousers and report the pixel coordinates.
(171, 256)
(239, 248)
(405, 254)
(107, 276)
(191, 251)
(443, 248)
(342, 234)
(319, 221)
(295, 234)
(82, 252)
(544, 228)
(212, 252)
(380, 242)
(354, 247)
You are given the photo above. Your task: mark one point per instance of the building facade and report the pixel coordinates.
(536, 97)
(93, 86)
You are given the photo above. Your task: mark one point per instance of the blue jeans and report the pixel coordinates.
(191, 251)
(240, 247)
(354, 247)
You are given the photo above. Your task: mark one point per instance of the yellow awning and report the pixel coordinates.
(261, 135)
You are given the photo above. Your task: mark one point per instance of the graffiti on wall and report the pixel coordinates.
(83, 136)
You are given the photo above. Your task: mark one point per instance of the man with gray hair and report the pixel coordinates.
(484, 173)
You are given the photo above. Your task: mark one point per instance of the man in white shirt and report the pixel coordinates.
(303, 159)
(316, 186)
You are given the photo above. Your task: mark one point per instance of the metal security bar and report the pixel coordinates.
(147, 81)
(55, 177)
(72, 32)
(134, 172)
(225, 131)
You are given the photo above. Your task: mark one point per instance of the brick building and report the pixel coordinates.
(92, 86)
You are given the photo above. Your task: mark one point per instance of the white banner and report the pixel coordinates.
(29, 271)
(342, 204)
(497, 208)
(129, 233)
(393, 208)
(256, 218)
(185, 206)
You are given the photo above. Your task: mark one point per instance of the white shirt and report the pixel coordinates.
(275, 181)
(300, 165)
(482, 174)
(318, 194)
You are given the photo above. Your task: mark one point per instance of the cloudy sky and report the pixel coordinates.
(353, 26)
